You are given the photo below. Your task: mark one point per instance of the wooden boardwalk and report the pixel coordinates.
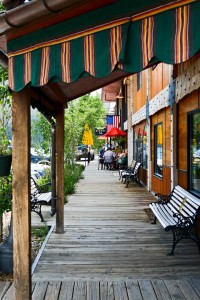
(111, 290)
(110, 249)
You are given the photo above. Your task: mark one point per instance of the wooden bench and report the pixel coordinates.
(126, 169)
(178, 212)
(39, 197)
(132, 174)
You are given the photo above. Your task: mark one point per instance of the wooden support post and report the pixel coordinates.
(174, 148)
(21, 195)
(60, 170)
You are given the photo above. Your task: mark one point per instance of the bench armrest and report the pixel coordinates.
(185, 222)
(163, 199)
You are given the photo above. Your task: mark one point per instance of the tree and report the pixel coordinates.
(5, 112)
(87, 109)
(5, 135)
(40, 133)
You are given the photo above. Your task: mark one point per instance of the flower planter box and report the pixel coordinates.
(5, 164)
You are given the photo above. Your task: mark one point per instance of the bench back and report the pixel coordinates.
(34, 189)
(131, 167)
(136, 168)
(183, 202)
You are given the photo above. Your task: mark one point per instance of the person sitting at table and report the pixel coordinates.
(101, 158)
(122, 158)
(109, 159)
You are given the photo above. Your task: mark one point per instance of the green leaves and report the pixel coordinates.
(5, 194)
(41, 133)
(5, 112)
(87, 109)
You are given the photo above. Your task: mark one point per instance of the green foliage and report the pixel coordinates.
(40, 233)
(1, 7)
(5, 112)
(88, 109)
(44, 182)
(5, 194)
(40, 133)
(72, 174)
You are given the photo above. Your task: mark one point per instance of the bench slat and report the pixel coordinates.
(164, 216)
(188, 195)
(186, 208)
(180, 198)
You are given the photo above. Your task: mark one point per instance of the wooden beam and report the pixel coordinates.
(21, 194)
(60, 170)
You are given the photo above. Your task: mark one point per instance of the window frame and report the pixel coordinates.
(139, 80)
(156, 166)
(190, 118)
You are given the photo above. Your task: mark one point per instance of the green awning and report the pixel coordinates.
(99, 42)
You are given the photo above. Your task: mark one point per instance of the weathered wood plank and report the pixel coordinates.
(66, 291)
(80, 290)
(120, 291)
(147, 290)
(4, 286)
(103, 290)
(195, 283)
(187, 290)
(110, 291)
(174, 290)
(93, 290)
(9, 295)
(53, 290)
(161, 290)
(40, 290)
(133, 290)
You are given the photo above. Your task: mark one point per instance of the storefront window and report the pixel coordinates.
(139, 81)
(134, 146)
(140, 147)
(137, 146)
(158, 148)
(194, 153)
(144, 148)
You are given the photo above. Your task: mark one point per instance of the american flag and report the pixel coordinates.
(112, 121)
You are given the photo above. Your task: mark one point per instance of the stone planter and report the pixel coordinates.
(5, 164)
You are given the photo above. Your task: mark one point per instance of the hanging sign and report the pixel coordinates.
(99, 131)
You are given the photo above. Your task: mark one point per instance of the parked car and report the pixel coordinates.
(81, 151)
(45, 163)
(38, 168)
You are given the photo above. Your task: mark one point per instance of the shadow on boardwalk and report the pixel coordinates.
(110, 249)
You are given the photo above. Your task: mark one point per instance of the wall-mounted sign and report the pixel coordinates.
(100, 130)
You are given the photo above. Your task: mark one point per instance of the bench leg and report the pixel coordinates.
(36, 207)
(179, 235)
(154, 221)
(175, 242)
(127, 181)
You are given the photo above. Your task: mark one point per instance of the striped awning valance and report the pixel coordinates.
(129, 44)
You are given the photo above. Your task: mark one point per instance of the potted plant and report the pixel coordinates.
(5, 119)
(5, 154)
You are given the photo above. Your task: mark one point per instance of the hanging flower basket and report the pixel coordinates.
(5, 164)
